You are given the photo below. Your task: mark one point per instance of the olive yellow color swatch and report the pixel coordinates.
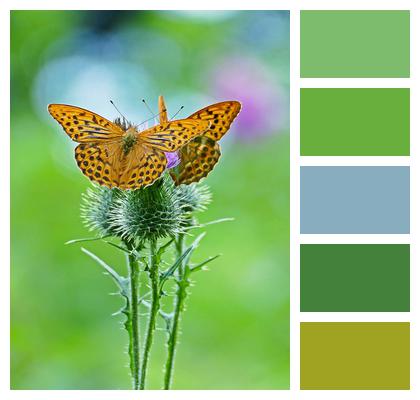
(355, 355)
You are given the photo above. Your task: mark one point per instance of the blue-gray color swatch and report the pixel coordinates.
(354, 200)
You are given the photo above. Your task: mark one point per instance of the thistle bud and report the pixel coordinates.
(97, 203)
(154, 212)
(193, 197)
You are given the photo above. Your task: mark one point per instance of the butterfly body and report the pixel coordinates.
(129, 140)
(117, 154)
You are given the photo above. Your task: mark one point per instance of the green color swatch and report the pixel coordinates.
(354, 277)
(355, 355)
(355, 122)
(355, 44)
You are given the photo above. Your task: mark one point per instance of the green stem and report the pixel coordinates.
(132, 324)
(154, 309)
(181, 295)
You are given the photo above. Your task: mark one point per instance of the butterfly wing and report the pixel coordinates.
(220, 116)
(142, 168)
(198, 158)
(100, 154)
(100, 162)
(107, 165)
(200, 155)
(171, 136)
(84, 125)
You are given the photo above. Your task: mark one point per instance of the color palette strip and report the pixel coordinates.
(357, 200)
(355, 44)
(355, 122)
(355, 278)
(346, 200)
(355, 355)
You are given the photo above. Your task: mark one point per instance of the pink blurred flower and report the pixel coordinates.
(265, 103)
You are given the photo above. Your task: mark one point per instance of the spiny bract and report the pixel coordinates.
(154, 212)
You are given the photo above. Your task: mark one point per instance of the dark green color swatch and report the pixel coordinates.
(355, 122)
(355, 355)
(354, 277)
(355, 44)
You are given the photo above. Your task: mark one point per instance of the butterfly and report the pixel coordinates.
(116, 154)
(201, 154)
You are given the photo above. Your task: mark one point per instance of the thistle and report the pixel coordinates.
(145, 224)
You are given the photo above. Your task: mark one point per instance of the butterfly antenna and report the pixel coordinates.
(148, 107)
(148, 119)
(119, 112)
(151, 111)
(173, 116)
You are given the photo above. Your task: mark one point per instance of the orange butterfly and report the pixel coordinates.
(200, 155)
(116, 154)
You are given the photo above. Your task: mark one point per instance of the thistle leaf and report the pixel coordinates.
(92, 239)
(167, 317)
(121, 282)
(216, 221)
(200, 266)
(163, 248)
(194, 245)
(118, 247)
(170, 271)
(185, 256)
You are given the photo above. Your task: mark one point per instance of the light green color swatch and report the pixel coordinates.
(355, 44)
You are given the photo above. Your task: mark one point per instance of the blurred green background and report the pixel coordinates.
(235, 331)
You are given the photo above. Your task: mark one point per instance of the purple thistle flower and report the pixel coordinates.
(172, 159)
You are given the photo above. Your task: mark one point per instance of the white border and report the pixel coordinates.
(354, 82)
(354, 161)
(296, 160)
(355, 239)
